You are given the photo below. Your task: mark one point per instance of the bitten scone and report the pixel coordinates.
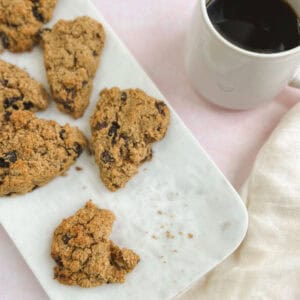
(18, 91)
(21, 21)
(34, 151)
(124, 126)
(72, 52)
(83, 253)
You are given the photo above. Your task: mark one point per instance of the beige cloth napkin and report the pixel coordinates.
(267, 264)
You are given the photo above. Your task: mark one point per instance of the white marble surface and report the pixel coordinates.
(180, 181)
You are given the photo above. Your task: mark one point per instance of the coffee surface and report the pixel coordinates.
(265, 26)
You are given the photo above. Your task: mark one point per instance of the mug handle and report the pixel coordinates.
(295, 82)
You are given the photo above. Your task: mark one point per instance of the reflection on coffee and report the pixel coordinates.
(266, 26)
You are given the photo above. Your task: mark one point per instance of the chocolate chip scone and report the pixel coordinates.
(83, 253)
(124, 126)
(18, 91)
(72, 52)
(21, 21)
(34, 151)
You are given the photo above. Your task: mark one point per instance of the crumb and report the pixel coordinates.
(164, 262)
(175, 251)
(154, 237)
(180, 233)
(190, 236)
(169, 235)
(159, 212)
(78, 168)
(161, 257)
(162, 226)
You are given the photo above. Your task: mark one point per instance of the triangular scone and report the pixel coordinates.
(21, 21)
(34, 151)
(124, 126)
(72, 52)
(83, 253)
(18, 91)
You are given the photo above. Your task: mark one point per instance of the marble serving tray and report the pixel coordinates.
(180, 191)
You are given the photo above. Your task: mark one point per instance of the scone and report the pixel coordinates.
(34, 151)
(72, 52)
(124, 126)
(83, 253)
(18, 91)
(21, 21)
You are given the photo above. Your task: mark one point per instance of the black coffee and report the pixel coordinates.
(266, 26)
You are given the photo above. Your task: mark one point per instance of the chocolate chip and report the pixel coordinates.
(7, 115)
(10, 101)
(11, 156)
(66, 239)
(98, 35)
(62, 134)
(3, 163)
(37, 14)
(67, 106)
(123, 96)
(106, 157)
(95, 53)
(28, 105)
(78, 149)
(113, 131)
(113, 128)
(4, 82)
(59, 262)
(35, 187)
(160, 107)
(100, 125)
(148, 139)
(15, 107)
(84, 83)
(71, 91)
(5, 40)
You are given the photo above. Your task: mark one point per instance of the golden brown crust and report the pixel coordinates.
(124, 126)
(18, 91)
(21, 21)
(34, 151)
(72, 52)
(83, 253)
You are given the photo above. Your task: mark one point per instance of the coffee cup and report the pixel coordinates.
(233, 77)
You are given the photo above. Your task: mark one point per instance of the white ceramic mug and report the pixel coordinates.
(231, 76)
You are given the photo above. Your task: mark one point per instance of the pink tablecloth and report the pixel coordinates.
(154, 31)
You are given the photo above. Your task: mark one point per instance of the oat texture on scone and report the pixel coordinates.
(83, 253)
(124, 125)
(21, 22)
(18, 91)
(72, 52)
(34, 151)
